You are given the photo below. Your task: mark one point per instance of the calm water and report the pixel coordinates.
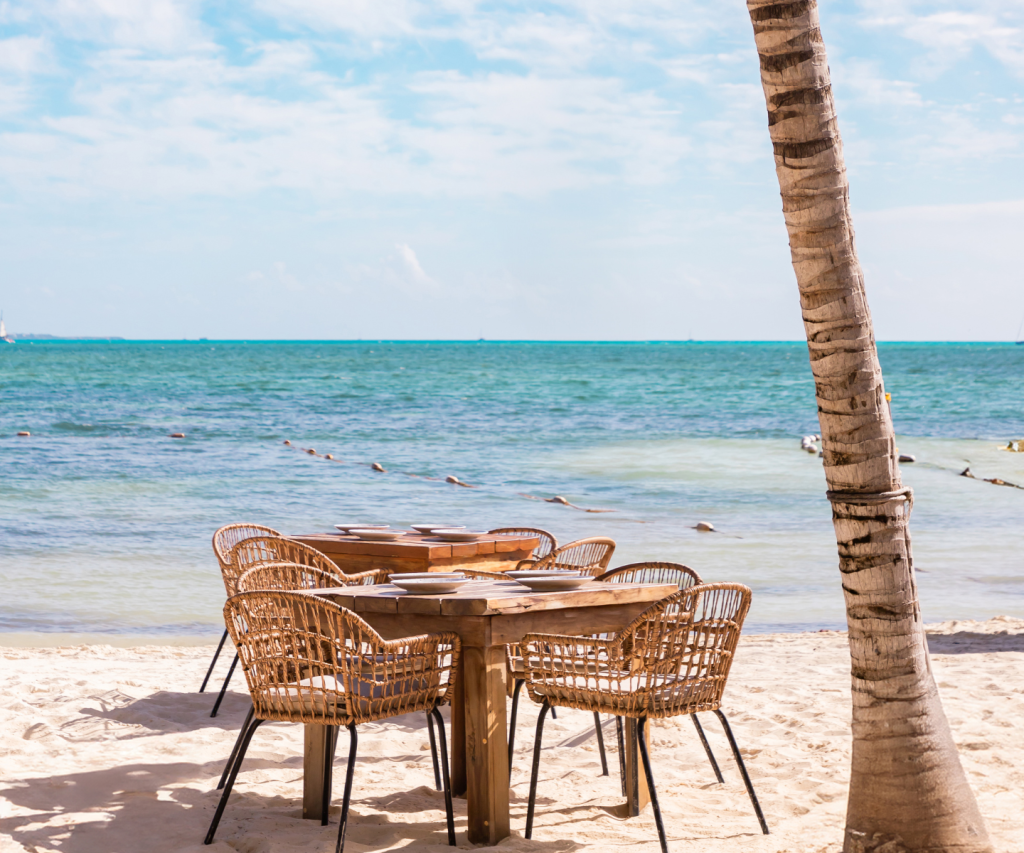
(105, 522)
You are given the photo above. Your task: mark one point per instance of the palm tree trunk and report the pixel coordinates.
(908, 791)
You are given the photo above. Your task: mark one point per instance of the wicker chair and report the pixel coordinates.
(590, 556)
(548, 543)
(293, 576)
(652, 572)
(673, 659)
(224, 540)
(257, 550)
(307, 660)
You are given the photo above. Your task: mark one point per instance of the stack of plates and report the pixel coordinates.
(376, 535)
(551, 581)
(429, 583)
(430, 528)
(346, 528)
(458, 534)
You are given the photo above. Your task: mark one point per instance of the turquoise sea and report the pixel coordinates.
(105, 521)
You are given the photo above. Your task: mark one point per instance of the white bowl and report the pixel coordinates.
(426, 586)
(429, 528)
(555, 583)
(376, 535)
(458, 534)
(348, 528)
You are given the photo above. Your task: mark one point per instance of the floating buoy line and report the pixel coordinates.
(451, 478)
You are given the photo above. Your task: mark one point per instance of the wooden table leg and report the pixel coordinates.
(638, 795)
(316, 743)
(458, 746)
(486, 744)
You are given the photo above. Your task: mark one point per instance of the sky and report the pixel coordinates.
(592, 170)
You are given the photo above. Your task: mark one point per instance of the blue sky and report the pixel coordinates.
(455, 169)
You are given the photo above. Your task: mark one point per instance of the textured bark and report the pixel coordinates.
(908, 791)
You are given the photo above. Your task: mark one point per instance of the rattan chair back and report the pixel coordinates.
(653, 573)
(308, 660)
(548, 542)
(590, 556)
(260, 550)
(227, 537)
(674, 658)
(285, 576)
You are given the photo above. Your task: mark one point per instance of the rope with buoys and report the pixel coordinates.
(451, 478)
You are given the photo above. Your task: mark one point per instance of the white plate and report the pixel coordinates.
(553, 583)
(371, 535)
(428, 528)
(542, 573)
(458, 534)
(347, 528)
(425, 586)
(416, 576)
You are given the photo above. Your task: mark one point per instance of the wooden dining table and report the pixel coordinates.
(417, 552)
(487, 615)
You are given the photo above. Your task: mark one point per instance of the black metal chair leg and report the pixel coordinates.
(433, 750)
(449, 811)
(621, 739)
(512, 723)
(325, 797)
(600, 743)
(213, 663)
(224, 687)
(234, 749)
(554, 716)
(243, 746)
(707, 747)
(353, 743)
(642, 743)
(536, 768)
(743, 771)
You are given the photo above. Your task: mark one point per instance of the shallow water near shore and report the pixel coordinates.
(105, 521)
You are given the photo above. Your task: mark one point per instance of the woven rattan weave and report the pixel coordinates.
(673, 659)
(291, 576)
(590, 556)
(548, 542)
(307, 660)
(275, 549)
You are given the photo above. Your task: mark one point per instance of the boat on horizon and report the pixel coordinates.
(3, 331)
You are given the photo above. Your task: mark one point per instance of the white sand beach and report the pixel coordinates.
(111, 750)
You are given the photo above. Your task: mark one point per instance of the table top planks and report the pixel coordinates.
(490, 598)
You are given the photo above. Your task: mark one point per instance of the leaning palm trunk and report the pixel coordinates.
(908, 791)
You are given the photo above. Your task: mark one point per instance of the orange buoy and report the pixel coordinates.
(24, 432)
(376, 466)
(311, 452)
(328, 456)
(286, 441)
(177, 435)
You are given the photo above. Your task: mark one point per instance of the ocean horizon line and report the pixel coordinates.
(101, 340)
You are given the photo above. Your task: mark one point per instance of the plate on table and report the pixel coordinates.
(378, 535)
(458, 534)
(348, 528)
(430, 528)
(542, 573)
(428, 586)
(416, 576)
(555, 583)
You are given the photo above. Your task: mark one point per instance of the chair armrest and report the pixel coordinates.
(367, 578)
(525, 564)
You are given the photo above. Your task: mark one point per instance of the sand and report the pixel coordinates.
(111, 750)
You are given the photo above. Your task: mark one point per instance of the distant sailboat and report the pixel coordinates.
(1020, 328)
(3, 331)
